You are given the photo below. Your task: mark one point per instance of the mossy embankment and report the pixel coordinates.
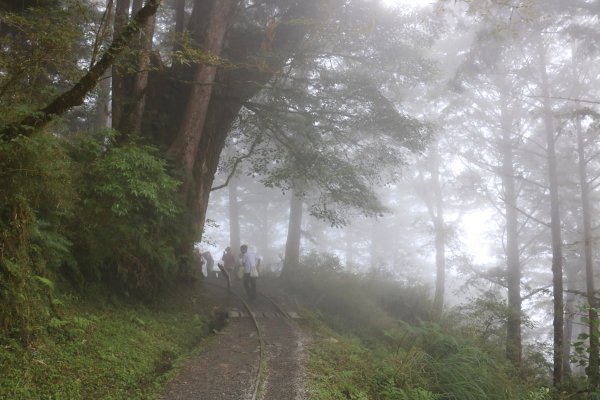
(99, 348)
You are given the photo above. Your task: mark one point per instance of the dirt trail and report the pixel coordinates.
(226, 368)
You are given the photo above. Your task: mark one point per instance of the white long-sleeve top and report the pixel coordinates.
(249, 260)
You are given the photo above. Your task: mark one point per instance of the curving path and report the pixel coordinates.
(227, 367)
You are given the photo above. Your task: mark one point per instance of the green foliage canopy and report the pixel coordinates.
(329, 123)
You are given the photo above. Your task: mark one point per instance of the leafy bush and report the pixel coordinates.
(129, 221)
(483, 322)
(86, 210)
(542, 393)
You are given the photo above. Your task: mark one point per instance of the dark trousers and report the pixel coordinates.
(250, 286)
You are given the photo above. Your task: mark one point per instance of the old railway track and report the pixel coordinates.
(257, 356)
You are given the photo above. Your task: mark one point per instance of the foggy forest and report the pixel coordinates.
(300, 199)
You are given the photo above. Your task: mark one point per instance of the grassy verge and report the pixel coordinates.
(415, 363)
(369, 348)
(93, 351)
(342, 367)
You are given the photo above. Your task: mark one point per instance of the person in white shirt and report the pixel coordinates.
(250, 263)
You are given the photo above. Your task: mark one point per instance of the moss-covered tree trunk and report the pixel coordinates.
(135, 102)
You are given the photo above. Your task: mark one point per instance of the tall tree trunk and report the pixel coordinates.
(568, 332)
(594, 359)
(350, 249)
(119, 90)
(180, 27)
(374, 253)
(198, 145)
(557, 261)
(513, 267)
(179, 16)
(571, 308)
(440, 234)
(234, 216)
(191, 130)
(430, 193)
(262, 239)
(135, 103)
(221, 115)
(292, 244)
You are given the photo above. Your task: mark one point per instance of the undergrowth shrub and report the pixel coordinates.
(338, 297)
(35, 198)
(344, 368)
(453, 366)
(129, 221)
(407, 303)
(88, 211)
(414, 362)
(41, 52)
(483, 322)
(352, 302)
(384, 348)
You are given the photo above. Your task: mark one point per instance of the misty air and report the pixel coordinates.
(300, 200)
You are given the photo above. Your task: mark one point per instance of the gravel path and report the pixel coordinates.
(285, 349)
(226, 368)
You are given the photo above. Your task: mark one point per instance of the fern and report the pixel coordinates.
(45, 281)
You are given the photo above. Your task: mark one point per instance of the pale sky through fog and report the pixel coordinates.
(407, 3)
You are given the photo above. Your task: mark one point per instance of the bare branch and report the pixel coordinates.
(238, 160)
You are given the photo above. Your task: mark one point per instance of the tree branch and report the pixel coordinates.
(566, 98)
(77, 93)
(534, 292)
(236, 163)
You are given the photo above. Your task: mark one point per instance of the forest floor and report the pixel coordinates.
(228, 366)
